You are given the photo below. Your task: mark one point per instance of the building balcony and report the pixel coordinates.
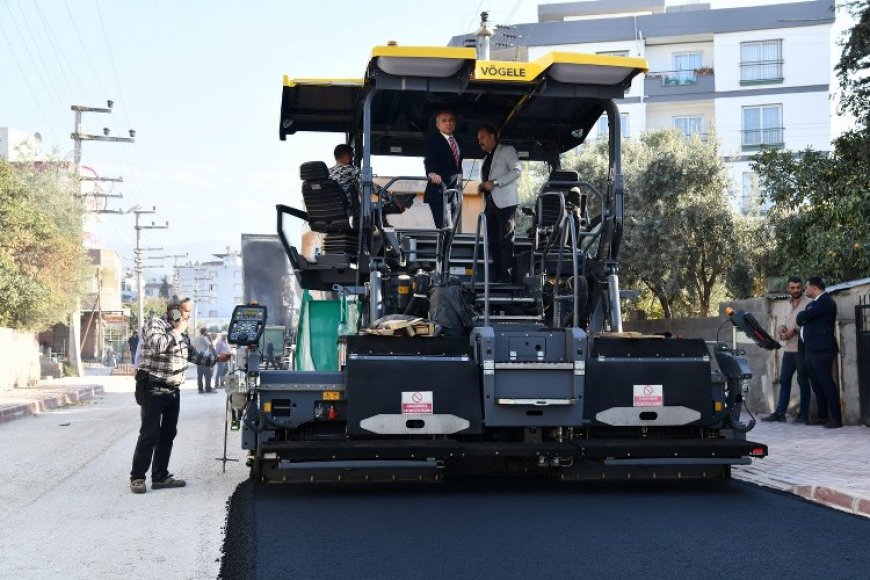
(679, 82)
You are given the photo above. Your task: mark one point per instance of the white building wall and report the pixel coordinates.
(215, 288)
(806, 56)
(805, 120)
(661, 115)
(661, 56)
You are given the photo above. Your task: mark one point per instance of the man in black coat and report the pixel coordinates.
(443, 162)
(817, 323)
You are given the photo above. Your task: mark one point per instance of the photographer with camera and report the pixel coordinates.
(166, 352)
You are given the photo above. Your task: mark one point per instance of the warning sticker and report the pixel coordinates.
(648, 396)
(417, 403)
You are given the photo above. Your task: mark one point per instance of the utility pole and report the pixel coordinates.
(74, 356)
(138, 258)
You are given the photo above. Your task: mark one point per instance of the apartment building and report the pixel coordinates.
(756, 75)
(215, 286)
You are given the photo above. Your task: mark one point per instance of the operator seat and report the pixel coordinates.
(330, 210)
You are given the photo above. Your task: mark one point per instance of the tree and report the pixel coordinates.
(164, 288)
(150, 308)
(43, 264)
(820, 217)
(852, 68)
(680, 238)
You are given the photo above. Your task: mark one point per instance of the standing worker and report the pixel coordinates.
(443, 162)
(817, 324)
(221, 346)
(133, 343)
(498, 177)
(166, 350)
(203, 371)
(793, 358)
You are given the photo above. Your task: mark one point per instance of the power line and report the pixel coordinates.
(27, 81)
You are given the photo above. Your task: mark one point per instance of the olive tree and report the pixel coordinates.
(681, 235)
(43, 263)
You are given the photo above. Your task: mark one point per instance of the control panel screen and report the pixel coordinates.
(246, 325)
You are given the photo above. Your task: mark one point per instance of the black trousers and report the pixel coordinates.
(820, 364)
(159, 412)
(500, 231)
(203, 372)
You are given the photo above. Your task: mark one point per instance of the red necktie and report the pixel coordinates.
(455, 149)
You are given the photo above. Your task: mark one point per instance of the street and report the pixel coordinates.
(504, 529)
(66, 503)
(68, 513)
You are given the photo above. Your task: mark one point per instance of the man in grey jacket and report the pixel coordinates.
(498, 184)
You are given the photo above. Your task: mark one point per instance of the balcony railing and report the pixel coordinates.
(678, 78)
(759, 137)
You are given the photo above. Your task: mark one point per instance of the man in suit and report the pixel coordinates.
(498, 184)
(443, 162)
(817, 332)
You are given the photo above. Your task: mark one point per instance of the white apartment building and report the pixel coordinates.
(214, 286)
(760, 74)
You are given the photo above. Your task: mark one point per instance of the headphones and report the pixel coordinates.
(175, 313)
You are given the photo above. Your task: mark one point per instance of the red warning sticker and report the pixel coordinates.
(649, 396)
(417, 403)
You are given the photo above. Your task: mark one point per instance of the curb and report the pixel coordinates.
(820, 494)
(47, 402)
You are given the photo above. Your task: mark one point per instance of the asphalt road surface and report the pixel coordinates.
(66, 510)
(532, 529)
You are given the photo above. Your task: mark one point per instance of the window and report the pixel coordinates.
(689, 125)
(762, 126)
(600, 130)
(685, 65)
(752, 200)
(761, 61)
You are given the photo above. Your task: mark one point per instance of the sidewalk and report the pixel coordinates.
(51, 394)
(827, 466)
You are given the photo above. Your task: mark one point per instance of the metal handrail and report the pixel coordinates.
(445, 235)
(481, 218)
(568, 225)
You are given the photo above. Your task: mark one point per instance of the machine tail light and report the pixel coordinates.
(758, 452)
(267, 407)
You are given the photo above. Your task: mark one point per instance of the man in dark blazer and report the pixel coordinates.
(817, 332)
(443, 164)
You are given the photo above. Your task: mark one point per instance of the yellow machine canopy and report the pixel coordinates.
(542, 108)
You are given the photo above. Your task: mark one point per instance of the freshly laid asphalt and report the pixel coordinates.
(826, 466)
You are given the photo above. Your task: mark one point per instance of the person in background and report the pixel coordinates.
(220, 347)
(817, 323)
(792, 357)
(133, 343)
(203, 371)
(270, 355)
(166, 351)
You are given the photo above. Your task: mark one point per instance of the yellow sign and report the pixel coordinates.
(331, 395)
(494, 70)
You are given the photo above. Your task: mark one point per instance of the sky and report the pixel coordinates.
(200, 82)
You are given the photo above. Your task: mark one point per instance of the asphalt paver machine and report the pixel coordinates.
(531, 376)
